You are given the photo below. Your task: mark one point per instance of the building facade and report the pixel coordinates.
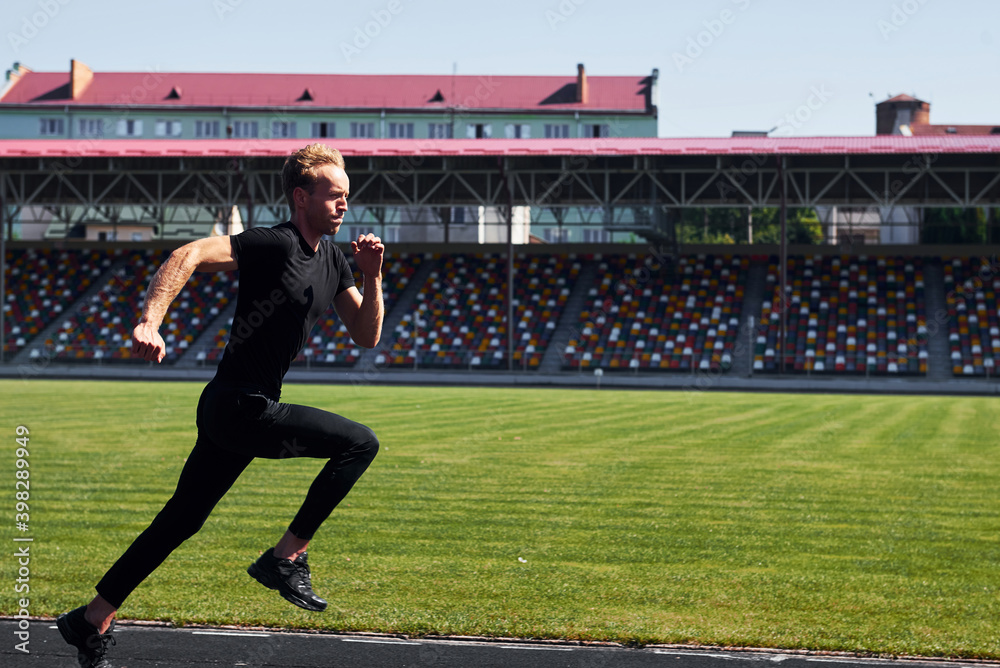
(82, 107)
(907, 116)
(82, 104)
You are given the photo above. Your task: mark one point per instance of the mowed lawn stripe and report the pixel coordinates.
(854, 523)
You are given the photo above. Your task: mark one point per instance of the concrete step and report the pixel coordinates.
(206, 340)
(936, 310)
(569, 320)
(367, 363)
(753, 300)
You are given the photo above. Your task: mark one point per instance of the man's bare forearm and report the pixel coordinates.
(165, 285)
(371, 312)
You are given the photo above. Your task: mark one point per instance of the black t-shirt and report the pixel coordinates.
(284, 288)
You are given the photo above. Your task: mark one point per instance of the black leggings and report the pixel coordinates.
(235, 425)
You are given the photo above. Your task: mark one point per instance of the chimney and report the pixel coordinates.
(582, 88)
(903, 110)
(80, 77)
(653, 92)
(15, 73)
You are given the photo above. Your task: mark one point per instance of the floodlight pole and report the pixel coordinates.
(3, 270)
(510, 263)
(783, 264)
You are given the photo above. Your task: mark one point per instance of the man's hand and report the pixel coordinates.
(147, 343)
(368, 251)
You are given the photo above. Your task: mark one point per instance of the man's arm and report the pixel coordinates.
(363, 315)
(210, 254)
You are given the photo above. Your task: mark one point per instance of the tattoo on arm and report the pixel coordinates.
(166, 284)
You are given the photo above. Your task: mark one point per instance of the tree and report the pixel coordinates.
(725, 226)
(954, 225)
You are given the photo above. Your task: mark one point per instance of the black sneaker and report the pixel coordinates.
(290, 578)
(91, 644)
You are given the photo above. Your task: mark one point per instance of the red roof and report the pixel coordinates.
(926, 129)
(537, 93)
(15, 148)
(903, 98)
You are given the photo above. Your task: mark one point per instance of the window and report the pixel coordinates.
(516, 131)
(597, 130)
(355, 231)
(388, 234)
(479, 131)
(51, 126)
(596, 236)
(129, 128)
(439, 130)
(245, 129)
(168, 128)
(556, 131)
(206, 129)
(137, 236)
(400, 130)
(91, 127)
(556, 235)
(362, 130)
(283, 129)
(324, 129)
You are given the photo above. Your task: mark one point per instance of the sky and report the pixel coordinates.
(797, 68)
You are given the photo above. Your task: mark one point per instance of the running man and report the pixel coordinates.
(289, 275)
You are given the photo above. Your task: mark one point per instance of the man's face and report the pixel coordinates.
(326, 205)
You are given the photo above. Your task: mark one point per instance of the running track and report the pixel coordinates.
(149, 646)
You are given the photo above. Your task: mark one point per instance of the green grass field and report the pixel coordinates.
(856, 523)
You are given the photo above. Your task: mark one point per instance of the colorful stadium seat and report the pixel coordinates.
(972, 295)
(645, 316)
(101, 329)
(459, 319)
(845, 314)
(42, 284)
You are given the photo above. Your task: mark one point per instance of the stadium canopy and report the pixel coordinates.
(90, 179)
(87, 179)
(622, 146)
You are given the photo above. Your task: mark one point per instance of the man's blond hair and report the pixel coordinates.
(300, 168)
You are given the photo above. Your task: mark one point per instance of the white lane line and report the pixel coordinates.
(872, 662)
(708, 654)
(230, 633)
(538, 647)
(380, 642)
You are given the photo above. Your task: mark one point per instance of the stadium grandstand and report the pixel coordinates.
(848, 315)
(576, 244)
